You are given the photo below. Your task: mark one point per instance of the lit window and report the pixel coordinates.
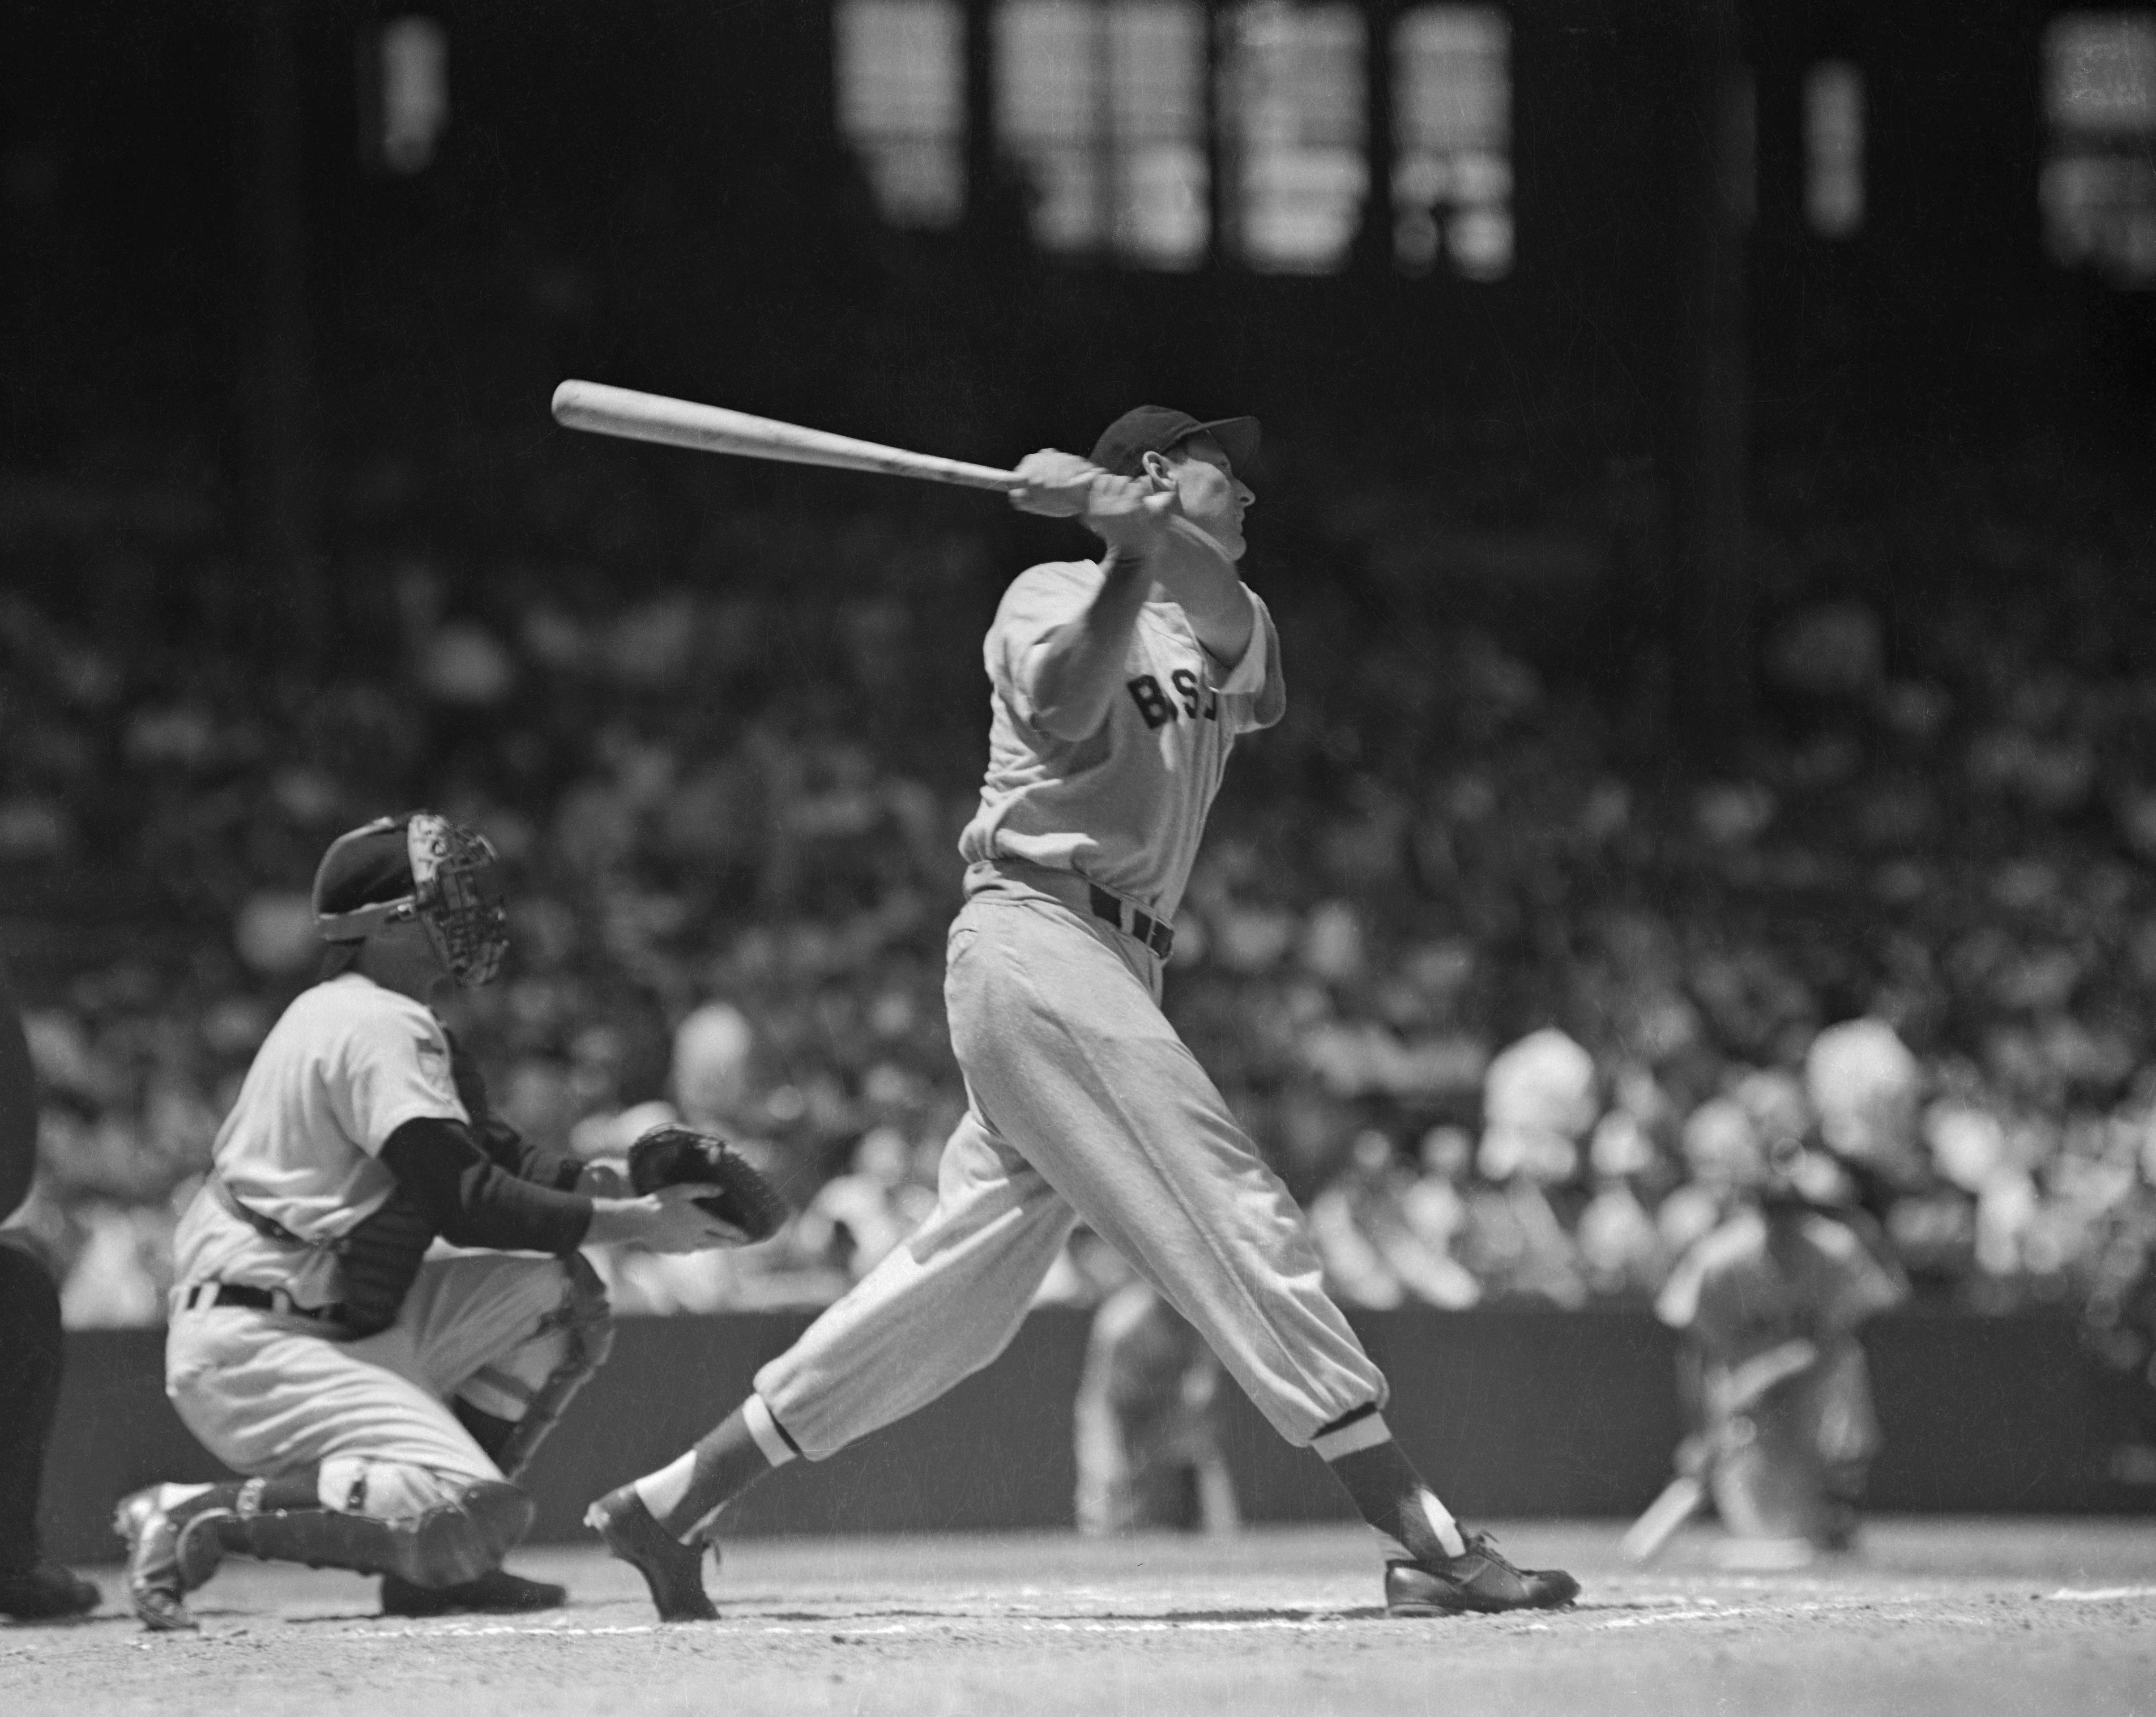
(1834, 149)
(901, 86)
(1452, 172)
(1292, 88)
(415, 92)
(1101, 106)
(2098, 189)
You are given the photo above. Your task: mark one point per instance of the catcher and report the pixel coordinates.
(382, 1403)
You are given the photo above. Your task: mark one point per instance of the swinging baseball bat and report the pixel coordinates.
(603, 410)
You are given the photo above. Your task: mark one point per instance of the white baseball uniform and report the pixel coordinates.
(268, 1390)
(1082, 1100)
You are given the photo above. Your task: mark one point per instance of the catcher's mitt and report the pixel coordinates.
(674, 1156)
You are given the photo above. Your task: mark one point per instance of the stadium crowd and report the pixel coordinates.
(1507, 990)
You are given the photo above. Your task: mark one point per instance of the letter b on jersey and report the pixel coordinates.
(1152, 703)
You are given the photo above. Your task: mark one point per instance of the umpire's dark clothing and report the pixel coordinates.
(30, 1308)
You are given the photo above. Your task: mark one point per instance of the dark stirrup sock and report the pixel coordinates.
(747, 1444)
(1385, 1488)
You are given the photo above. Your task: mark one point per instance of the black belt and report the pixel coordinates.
(204, 1294)
(1157, 933)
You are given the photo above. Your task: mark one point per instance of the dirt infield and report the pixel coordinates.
(1959, 1617)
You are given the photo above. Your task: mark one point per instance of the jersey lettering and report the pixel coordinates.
(1145, 693)
(1187, 688)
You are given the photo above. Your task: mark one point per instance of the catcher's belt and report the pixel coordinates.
(380, 1256)
(202, 1295)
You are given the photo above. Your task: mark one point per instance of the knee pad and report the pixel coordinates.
(386, 1490)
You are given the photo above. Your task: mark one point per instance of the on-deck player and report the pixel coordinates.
(1119, 688)
(383, 1402)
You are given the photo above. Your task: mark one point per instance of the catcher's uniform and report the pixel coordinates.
(1082, 1100)
(260, 1362)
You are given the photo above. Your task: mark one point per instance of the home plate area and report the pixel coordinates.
(1930, 1615)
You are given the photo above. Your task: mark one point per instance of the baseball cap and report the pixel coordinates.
(1158, 428)
(366, 866)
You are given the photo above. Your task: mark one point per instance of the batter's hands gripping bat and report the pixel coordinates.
(636, 416)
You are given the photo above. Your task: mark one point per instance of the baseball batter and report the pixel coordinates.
(1119, 688)
(383, 1402)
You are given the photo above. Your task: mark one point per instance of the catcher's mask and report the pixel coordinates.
(453, 880)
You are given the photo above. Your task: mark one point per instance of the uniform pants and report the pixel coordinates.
(29, 1391)
(1082, 1102)
(268, 1393)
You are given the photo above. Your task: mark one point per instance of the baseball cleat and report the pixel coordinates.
(166, 1561)
(1480, 1580)
(673, 1571)
(45, 1592)
(496, 1592)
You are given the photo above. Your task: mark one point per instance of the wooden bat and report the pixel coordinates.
(712, 428)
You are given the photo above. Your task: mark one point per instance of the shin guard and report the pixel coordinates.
(446, 1545)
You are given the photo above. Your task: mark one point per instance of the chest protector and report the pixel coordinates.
(382, 1255)
(381, 1258)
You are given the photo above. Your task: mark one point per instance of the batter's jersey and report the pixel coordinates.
(347, 1064)
(1126, 805)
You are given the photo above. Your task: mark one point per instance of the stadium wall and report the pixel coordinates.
(1515, 1413)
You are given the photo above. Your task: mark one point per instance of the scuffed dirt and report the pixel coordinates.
(1948, 1618)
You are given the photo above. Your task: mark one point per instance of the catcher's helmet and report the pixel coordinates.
(419, 866)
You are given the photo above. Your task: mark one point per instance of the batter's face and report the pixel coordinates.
(1207, 489)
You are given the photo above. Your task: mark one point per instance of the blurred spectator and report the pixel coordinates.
(1386, 1235)
(1933, 843)
(858, 1217)
(1538, 1098)
(1621, 1249)
(1865, 1087)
